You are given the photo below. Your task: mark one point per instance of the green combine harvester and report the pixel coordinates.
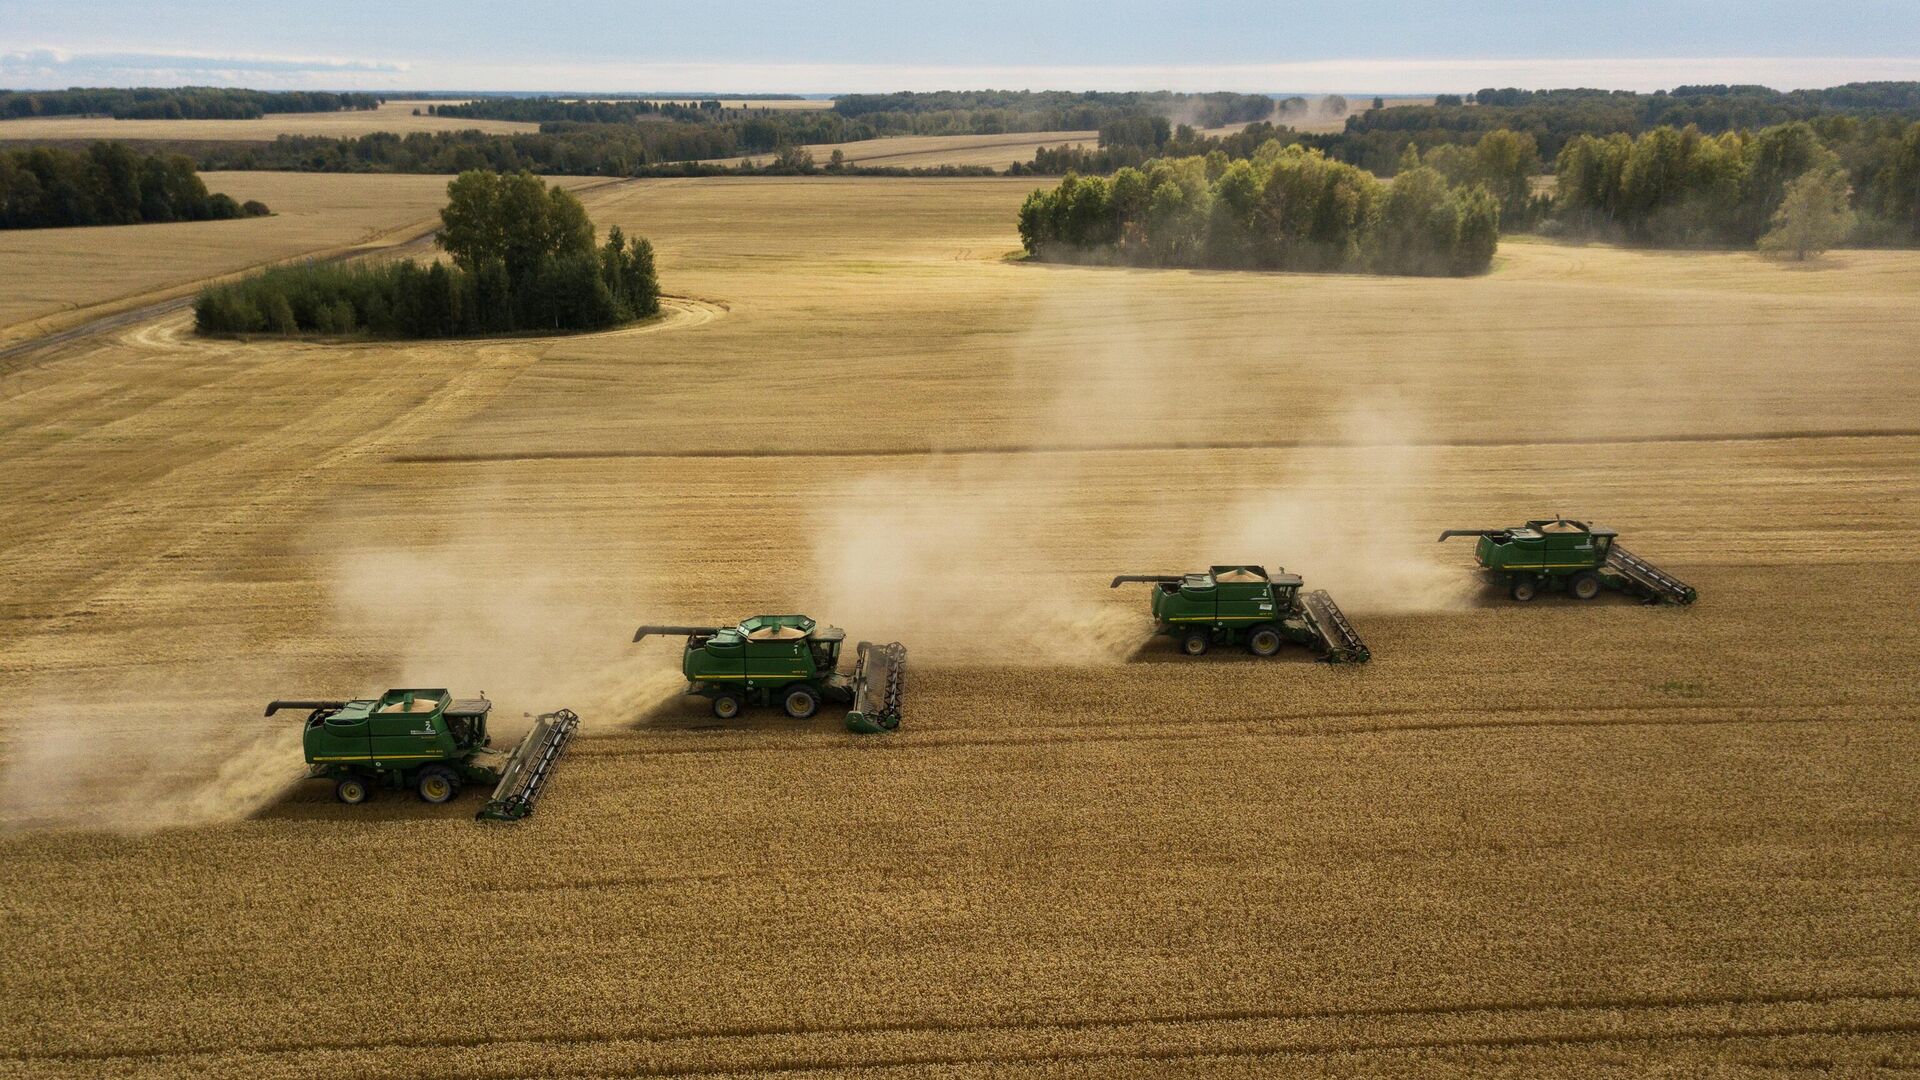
(1570, 556)
(1230, 605)
(792, 660)
(428, 741)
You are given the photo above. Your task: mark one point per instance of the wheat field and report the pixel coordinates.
(1543, 840)
(59, 278)
(395, 116)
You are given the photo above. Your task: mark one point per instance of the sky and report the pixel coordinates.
(829, 46)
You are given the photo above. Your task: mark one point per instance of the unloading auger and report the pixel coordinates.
(427, 740)
(793, 661)
(1229, 605)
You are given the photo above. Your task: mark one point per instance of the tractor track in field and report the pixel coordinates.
(1036, 449)
(1659, 1007)
(1267, 727)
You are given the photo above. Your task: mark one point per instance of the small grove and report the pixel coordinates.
(1284, 208)
(523, 260)
(106, 184)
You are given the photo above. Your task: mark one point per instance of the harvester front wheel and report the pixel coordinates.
(437, 784)
(1523, 589)
(352, 790)
(1585, 585)
(726, 706)
(1195, 642)
(1263, 641)
(800, 702)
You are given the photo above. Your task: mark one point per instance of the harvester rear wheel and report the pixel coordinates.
(1523, 589)
(437, 784)
(726, 706)
(1263, 641)
(1195, 642)
(352, 790)
(800, 702)
(1585, 585)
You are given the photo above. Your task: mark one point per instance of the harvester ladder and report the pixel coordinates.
(1657, 583)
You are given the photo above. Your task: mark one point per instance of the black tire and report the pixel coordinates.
(352, 790)
(800, 701)
(1263, 640)
(1523, 589)
(1195, 642)
(437, 784)
(1585, 585)
(727, 706)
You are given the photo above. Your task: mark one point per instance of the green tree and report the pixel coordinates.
(1814, 215)
(511, 217)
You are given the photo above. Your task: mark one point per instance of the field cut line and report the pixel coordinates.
(1035, 449)
(1266, 727)
(1174, 1022)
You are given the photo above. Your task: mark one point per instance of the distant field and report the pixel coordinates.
(395, 116)
(756, 103)
(1313, 120)
(1000, 151)
(1544, 840)
(55, 276)
(928, 151)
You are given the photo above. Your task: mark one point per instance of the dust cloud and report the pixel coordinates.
(1352, 521)
(509, 607)
(128, 758)
(501, 608)
(1004, 557)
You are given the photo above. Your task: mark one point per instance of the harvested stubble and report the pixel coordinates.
(1530, 840)
(393, 116)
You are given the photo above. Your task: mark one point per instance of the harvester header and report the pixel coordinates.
(1572, 556)
(1243, 604)
(793, 661)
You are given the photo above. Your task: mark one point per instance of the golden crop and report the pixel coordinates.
(1555, 839)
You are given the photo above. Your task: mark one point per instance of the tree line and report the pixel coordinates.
(106, 184)
(1375, 139)
(541, 110)
(996, 112)
(523, 259)
(1667, 186)
(857, 117)
(1685, 187)
(580, 150)
(1287, 207)
(176, 103)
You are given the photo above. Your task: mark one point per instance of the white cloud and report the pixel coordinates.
(55, 68)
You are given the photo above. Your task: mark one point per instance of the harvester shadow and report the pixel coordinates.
(681, 715)
(314, 801)
(1164, 651)
(1498, 598)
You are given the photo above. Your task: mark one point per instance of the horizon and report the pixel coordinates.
(837, 47)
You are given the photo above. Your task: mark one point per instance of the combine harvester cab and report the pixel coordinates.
(1571, 556)
(794, 662)
(427, 740)
(1230, 605)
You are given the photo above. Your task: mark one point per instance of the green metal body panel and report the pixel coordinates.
(768, 658)
(1557, 553)
(395, 734)
(1552, 548)
(1231, 606)
(763, 656)
(1230, 602)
